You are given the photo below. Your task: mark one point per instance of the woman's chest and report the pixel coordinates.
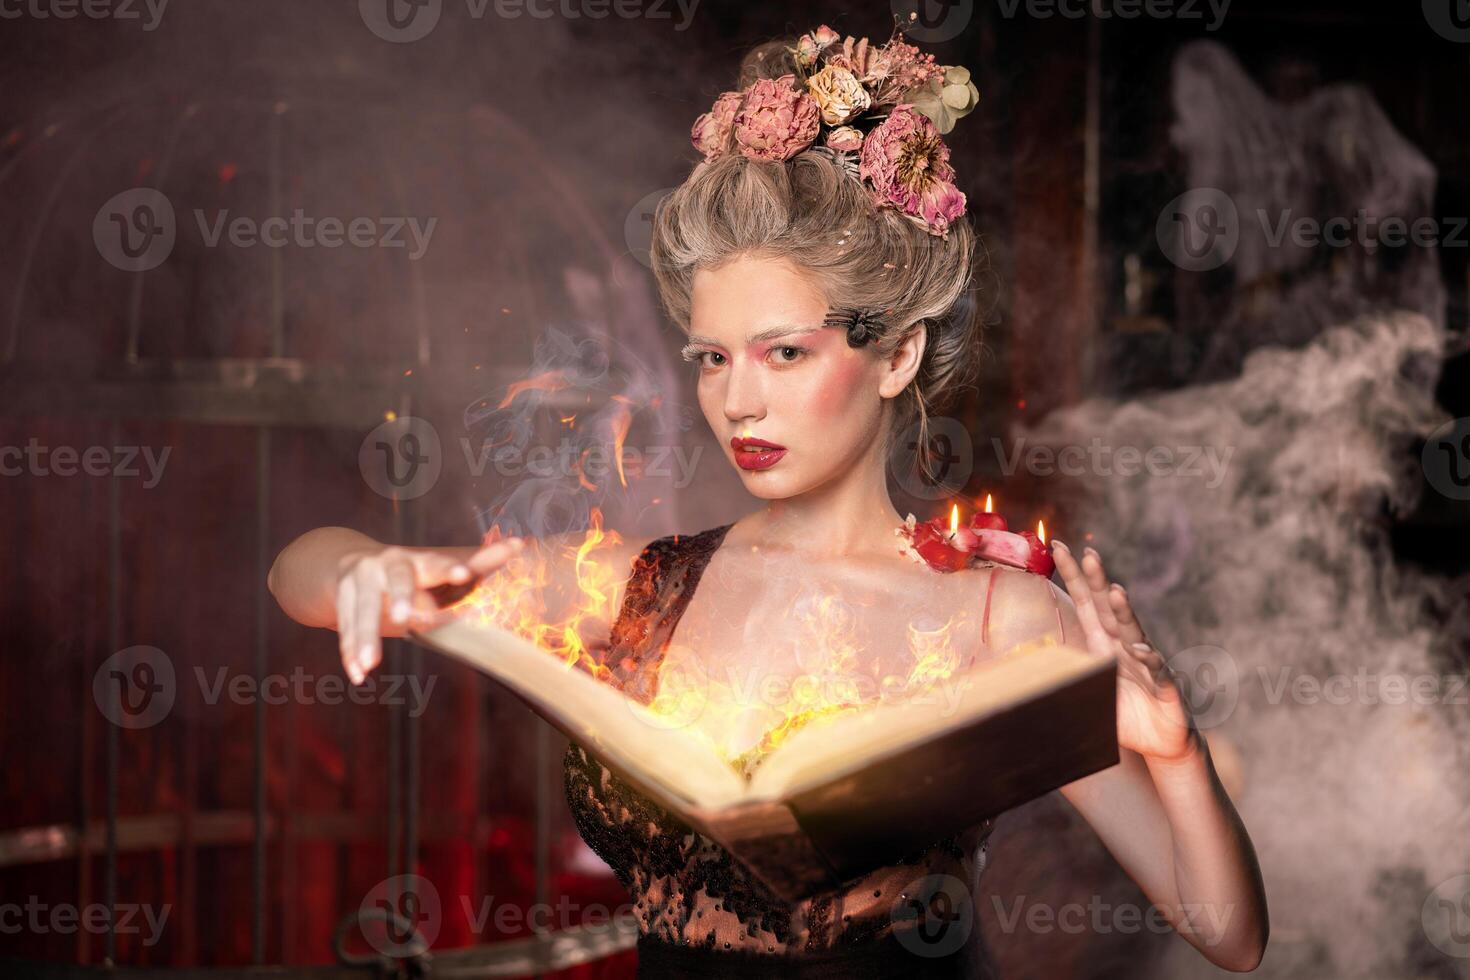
(764, 645)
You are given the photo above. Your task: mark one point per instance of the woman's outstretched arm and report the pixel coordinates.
(338, 578)
(1162, 812)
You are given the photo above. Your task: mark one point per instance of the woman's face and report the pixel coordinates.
(769, 371)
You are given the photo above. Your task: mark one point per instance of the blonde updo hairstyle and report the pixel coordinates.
(811, 211)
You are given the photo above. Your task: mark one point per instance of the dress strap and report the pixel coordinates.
(659, 588)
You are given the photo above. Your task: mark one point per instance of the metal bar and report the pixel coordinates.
(114, 639)
(258, 853)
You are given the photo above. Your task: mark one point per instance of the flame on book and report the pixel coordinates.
(828, 635)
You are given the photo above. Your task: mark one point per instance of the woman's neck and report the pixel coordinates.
(850, 515)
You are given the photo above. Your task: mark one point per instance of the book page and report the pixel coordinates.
(827, 748)
(623, 732)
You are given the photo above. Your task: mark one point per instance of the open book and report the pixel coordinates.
(844, 794)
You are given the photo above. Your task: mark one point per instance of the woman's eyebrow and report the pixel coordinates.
(755, 338)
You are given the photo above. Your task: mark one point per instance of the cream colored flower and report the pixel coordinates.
(839, 94)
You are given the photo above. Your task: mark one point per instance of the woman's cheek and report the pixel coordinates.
(832, 395)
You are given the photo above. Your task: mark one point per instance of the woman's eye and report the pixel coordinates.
(789, 354)
(711, 354)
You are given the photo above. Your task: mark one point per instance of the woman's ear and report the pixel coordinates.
(904, 362)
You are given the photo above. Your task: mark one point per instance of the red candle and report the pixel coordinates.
(949, 549)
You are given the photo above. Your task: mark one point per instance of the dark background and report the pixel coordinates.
(535, 143)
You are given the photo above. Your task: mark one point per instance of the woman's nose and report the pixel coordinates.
(744, 396)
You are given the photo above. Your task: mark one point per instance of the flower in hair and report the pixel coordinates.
(776, 121)
(839, 95)
(846, 139)
(711, 132)
(907, 166)
(878, 109)
(811, 45)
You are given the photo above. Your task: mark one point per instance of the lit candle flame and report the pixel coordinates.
(1041, 531)
(954, 518)
(988, 503)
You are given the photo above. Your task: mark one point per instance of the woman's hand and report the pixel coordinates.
(1153, 719)
(395, 581)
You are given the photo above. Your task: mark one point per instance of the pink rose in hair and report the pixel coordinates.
(907, 165)
(776, 121)
(711, 131)
(846, 138)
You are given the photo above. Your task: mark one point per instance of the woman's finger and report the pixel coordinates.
(1099, 640)
(492, 556)
(370, 582)
(346, 617)
(1129, 629)
(399, 578)
(1097, 580)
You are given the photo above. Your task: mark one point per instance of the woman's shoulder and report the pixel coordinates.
(1021, 606)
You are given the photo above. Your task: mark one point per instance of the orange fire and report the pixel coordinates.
(834, 678)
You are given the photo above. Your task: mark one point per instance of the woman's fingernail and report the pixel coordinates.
(459, 573)
(354, 672)
(400, 611)
(1059, 543)
(1140, 647)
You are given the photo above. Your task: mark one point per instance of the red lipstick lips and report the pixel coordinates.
(755, 454)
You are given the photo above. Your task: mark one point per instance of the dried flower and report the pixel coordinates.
(811, 45)
(907, 165)
(711, 132)
(776, 121)
(946, 99)
(849, 139)
(839, 95)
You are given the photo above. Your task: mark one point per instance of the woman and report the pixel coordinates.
(818, 259)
